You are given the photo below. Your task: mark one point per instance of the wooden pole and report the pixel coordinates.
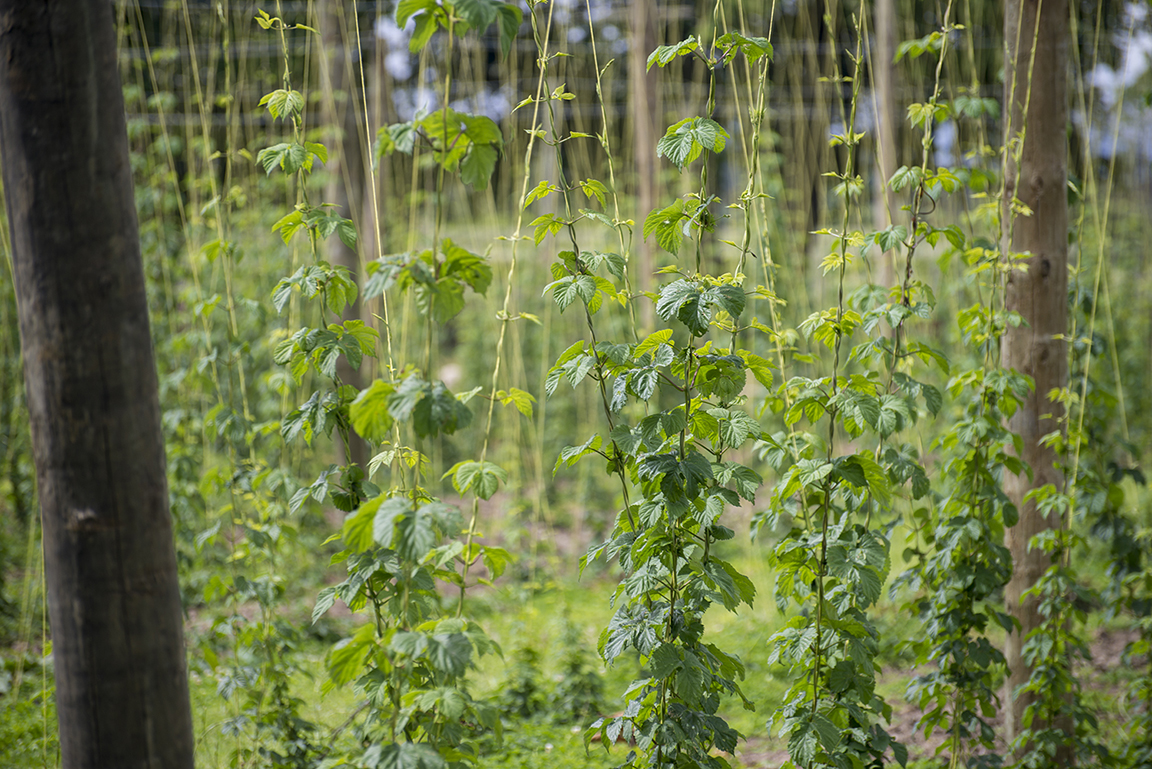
(1039, 105)
(346, 174)
(645, 119)
(110, 564)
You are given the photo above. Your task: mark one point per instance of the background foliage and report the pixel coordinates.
(540, 366)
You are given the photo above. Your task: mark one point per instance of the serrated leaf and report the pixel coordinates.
(403, 755)
(665, 224)
(753, 48)
(345, 662)
(729, 298)
(482, 478)
(666, 53)
(450, 652)
(651, 342)
(324, 601)
(477, 166)
(387, 513)
(519, 398)
(684, 141)
(496, 560)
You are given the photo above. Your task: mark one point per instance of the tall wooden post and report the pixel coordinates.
(346, 169)
(886, 208)
(645, 117)
(1039, 294)
(113, 597)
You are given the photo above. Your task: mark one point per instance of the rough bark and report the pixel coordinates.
(113, 597)
(1039, 294)
(346, 175)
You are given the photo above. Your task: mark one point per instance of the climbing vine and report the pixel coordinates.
(409, 661)
(673, 409)
(834, 558)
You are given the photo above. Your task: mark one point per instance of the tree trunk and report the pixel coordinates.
(113, 596)
(1040, 294)
(346, 176)
(645, 114)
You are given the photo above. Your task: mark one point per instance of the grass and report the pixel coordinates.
(536, 614)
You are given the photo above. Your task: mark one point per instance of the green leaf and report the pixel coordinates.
(398, 137)
(665, 224)
(753, 48)
(677, 296)
(850, 472)
(544, 225)
(729, 298)
(877, 478)
(339, 290)
(745, 479)
(614, 262)
(913, 49)
(813, 471)
(666, 53)
(827, 732)
(651, 342)
(478, 13)
(357, 529)
(324, 601)
(346, 231)
(294, 424)
(569, 289)
(431, 406)
(415, 536)
(346, 660)
(891, 238)
(539, 192)
(745, 587)
(519, 398)
(317, 149)
(575, 370)
(570, 455)
(684, 141)
(665, 661)
(802, 744)
(403, 755)
(388, 513)
(841, 677)
(429, 17)
(642, 382)
(596, 216)
(465, 267)
(282, 103)
(290, 158)
(483, 478)
(690, 681)
(735, 426)
(426, 26)
(439, 412)
(594, 189)
(574, 350)
(477, 167)
(288, 226)
(496, 560)
(904, 177)
(406, 9)
(450, 652)
(760, 368)
(510, 17)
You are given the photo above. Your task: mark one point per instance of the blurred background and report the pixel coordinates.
(194, 73)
